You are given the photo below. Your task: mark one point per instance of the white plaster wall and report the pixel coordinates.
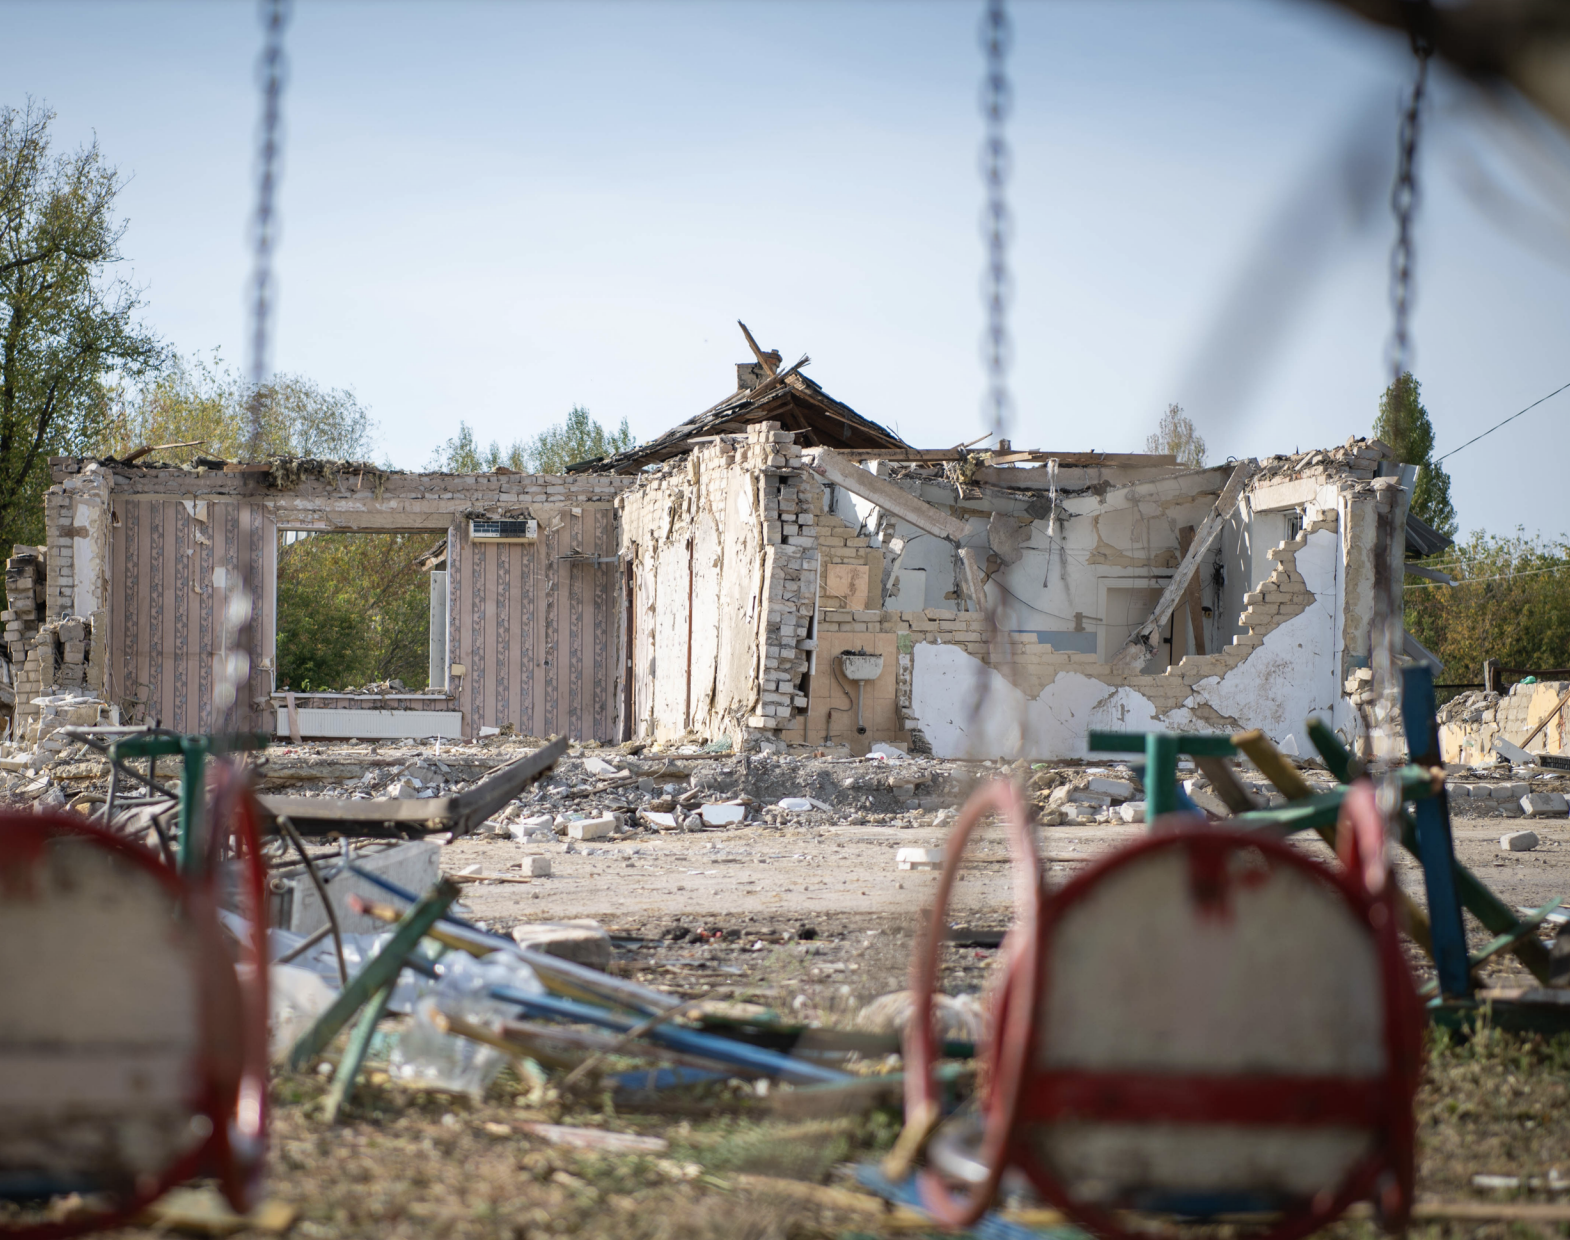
(967, 710)
(88, 559)
(1294, 674)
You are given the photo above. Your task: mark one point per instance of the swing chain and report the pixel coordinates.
(996, 104)
(1403, 203)
(271, 67)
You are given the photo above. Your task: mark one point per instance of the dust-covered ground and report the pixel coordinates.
(804, 912)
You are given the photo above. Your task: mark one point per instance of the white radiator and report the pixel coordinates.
(372, 724)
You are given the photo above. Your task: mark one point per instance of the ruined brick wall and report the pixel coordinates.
(966, 697)
(722, 546)
(1471, 722)
(534, 625)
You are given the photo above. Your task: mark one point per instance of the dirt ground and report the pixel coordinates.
(807, 915)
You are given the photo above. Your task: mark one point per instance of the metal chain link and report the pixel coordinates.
(271, 66)
(1403, 203)
(997, 101)
(232, 663)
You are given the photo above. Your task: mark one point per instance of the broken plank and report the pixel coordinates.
(1140, 644)
(1196, 606)
(975, 583)
(397, 815)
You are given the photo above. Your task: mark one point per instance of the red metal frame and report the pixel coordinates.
(232, 1067)
(1013, 1017)
(1014, 1094)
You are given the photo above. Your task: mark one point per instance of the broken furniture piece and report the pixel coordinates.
(408, 818)
(120, 744)
(1425, 833)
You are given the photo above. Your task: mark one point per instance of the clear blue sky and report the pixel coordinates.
(494, 211)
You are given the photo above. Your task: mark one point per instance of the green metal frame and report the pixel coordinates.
(194, 751)
(1319, 812)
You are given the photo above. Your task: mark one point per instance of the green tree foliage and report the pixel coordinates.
(204, 401)
(1512, 603)
(352, 609)
(579, 438)
(1175, 435)
(1403, 424)
(67, 326)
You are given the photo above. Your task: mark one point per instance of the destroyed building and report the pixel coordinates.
(777, 570)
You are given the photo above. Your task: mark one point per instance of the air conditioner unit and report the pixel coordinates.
(504, 531)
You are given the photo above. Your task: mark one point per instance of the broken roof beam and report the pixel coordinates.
(1141, 643)
(771, 360)
(830, 465)
(939, 456)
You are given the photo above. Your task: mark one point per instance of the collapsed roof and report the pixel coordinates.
(765, 393)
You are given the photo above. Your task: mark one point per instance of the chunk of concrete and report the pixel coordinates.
(919, 859)
(599, 766)
(583, 941)
(1518, 841)
(662, 822)
(1545, 805)
(592, 828)
(796, 805)
(1132, 811)
(722, 814)
(533, 827)
(536, 866)
(1117, 789)
(1513, 753)
(887, 752)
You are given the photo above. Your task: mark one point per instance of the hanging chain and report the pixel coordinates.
(997, 101)
(271, 67)
(232, 663)
(1403, 202)
(1383, 720)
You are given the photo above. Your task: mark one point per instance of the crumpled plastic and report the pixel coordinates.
(424, 1055)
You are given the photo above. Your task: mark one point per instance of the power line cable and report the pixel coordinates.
(1511, 418)
(1467, 581)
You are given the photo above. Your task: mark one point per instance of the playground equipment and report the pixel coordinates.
(133, 1034)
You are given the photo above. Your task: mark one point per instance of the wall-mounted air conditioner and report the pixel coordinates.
(504, 531)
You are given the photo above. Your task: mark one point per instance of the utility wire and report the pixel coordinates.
(1467, 581)
(1511, 418)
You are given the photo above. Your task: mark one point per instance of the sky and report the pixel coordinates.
(491, 212)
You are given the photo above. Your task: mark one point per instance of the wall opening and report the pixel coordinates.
(353, 610)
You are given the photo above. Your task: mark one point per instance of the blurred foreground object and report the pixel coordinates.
(132, 1040)
(1205, 1023)
(1525, 43)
